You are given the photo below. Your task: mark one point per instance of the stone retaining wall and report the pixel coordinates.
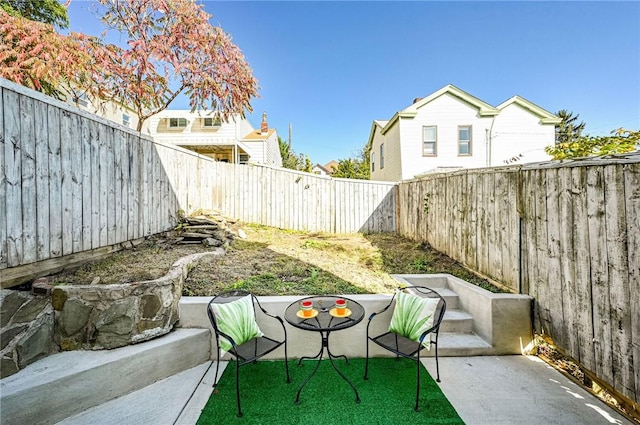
(90, 316)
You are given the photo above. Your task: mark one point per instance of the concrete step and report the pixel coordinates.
(457, 321)
(449, 296)
(161, 403)
(65, 384)
(455, 344)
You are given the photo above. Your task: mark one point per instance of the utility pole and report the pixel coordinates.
(290, 129)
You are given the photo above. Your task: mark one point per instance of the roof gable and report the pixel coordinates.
(484, 109)
(546, 117)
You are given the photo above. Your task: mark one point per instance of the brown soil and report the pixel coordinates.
(277, 262)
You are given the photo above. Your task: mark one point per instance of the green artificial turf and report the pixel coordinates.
(387, 397)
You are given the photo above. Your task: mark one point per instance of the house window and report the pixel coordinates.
(126, 120)
(211, 122)
(373, 162)
(177, 122)
(244, 158)
(81, 100)
(464, 140)
(429, 140)
(382, 156)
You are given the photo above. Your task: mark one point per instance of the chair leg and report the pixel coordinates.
(417, 409)
(437, 365)
(215, 378)
(238, 387)
(286, 363)
(366, 363)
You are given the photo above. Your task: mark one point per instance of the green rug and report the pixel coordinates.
(387, 397)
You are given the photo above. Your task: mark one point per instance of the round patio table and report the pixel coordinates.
(324, 321)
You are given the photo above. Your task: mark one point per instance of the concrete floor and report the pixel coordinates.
(496, 390)
(484, 390)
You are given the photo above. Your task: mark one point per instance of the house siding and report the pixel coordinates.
(447, 113)
(392, 170)
(518, 132)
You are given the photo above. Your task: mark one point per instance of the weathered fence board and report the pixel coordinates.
(632, 207)
(568, 235)
(3, 188)
(13, 176)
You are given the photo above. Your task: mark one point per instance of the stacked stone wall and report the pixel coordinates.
(26, 330)
(90, 317)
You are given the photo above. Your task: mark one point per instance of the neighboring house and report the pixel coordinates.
(110, 110)
(451, 129)
(326, 169)
(235, 141)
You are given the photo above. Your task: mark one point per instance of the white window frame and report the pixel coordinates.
(126, 120)
(178, 121)
(433, 142)
(373, 162)
(465, 142)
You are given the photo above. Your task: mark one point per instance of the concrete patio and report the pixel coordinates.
(484, 390)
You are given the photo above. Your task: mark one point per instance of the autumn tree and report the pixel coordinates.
(34, 55)
(47, 11)
(620, 141)
(171, 50)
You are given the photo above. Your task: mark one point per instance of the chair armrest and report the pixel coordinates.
(372, 315)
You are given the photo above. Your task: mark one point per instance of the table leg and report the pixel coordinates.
(319, 357)
(331, 357)
(325, 344)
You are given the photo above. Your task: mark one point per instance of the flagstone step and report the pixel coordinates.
(65, 384)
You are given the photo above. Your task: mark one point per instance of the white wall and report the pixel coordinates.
(518, 132)
(447, 112)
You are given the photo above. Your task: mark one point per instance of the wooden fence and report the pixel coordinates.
(567, 234)
(73, 184)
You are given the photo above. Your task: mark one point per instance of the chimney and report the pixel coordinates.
(264, 127)
(417, 99)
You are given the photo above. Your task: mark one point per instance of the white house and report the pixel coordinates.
(451, 129)
(235, 141)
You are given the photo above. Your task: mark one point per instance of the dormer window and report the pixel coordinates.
(177, 122)
(211, 122)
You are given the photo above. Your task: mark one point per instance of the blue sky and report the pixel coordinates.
(330, 68)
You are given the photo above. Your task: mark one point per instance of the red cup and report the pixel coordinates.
(341, 306)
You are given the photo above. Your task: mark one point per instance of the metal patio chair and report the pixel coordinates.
(249, 351)
(405, 347)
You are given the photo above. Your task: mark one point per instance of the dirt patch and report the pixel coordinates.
(271, 261)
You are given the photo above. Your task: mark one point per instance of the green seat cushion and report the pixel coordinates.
(238, 320)
(413, 315)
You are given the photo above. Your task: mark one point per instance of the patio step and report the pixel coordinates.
(456, 344)
(65, 384)
(458, 321)
(449, 296)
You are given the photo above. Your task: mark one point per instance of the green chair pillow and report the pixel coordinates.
(412, 316)
(236, 319)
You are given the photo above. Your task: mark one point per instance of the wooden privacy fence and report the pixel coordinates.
(567, 234)
(74, 185)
